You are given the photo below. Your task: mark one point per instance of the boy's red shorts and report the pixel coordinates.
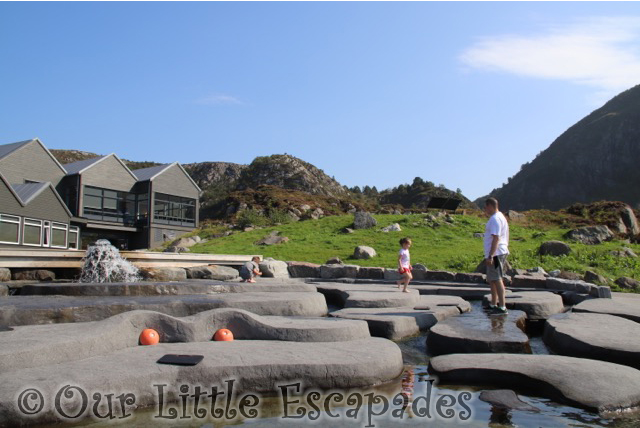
(404, 270)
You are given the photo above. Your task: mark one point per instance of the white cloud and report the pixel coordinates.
(603, 53)
(219, 99)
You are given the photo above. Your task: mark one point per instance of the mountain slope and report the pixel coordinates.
(596, 159)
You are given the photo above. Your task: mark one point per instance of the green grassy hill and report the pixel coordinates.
(445, 247)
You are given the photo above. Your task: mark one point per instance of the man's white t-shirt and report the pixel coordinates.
(497, 225)
(404, 258)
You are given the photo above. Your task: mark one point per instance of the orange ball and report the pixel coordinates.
(149, 337)
(223, 335)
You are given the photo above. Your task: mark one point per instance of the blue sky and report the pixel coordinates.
(457, 93)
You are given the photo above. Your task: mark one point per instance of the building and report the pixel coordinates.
(89, 200)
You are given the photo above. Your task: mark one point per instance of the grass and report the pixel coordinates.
(446, 247)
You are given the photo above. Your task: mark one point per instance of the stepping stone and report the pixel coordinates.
(398, 323)
(37, 345)
(538, 305)
(473, 333)
(621, 305)
(506, 399)
(26, 310)
(590, 384)
(466, 291)
(161, 288)
(368, 295)
(596, 336)
(257, 366)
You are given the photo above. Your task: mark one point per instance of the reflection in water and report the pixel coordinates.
(500, 417)
(497, 323)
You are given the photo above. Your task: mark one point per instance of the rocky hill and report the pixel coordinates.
(596, 159)
(69, 156)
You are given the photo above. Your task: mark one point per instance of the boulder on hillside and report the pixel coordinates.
(516, 216)
(591, 235)
(272, 239)
(334, 261)
(565, 274)
(363, 220)
(316, 214)
(627, 283)
(594, 278)
(625, 252)
(362, 252)
(161, 274)
(303, 270)
(186, 242)
(219, 273)
(177, 250)
(395, 227)
(271, 268)
(554, 248)
(630, 221)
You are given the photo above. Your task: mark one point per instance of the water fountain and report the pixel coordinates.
(103, 263)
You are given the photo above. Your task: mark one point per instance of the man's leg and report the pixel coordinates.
(494, 293)
(500, 291)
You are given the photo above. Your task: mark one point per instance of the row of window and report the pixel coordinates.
(37, 233)
(130, 208)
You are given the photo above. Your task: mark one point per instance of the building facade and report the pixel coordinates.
(99, 198)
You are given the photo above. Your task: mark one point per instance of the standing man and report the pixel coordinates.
(496, 248)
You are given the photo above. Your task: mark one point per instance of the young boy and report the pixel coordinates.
(404, 264)
(250, 269)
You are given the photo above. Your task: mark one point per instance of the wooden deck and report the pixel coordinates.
(28, 258)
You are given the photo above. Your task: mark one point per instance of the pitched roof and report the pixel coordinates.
(7, 149)
(80, 166)
(144, 174)
(28, 191)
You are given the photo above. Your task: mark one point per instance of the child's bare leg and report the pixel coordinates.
(407, 279)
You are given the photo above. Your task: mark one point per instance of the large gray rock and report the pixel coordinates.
(630, 221)
(362, 252)
(594, 385)
(538, 305)
(440, 275)
(625, 252)
(591, 235)
(220, 273)
(620, 305)
(27, 310)
(468, 334)
(303, 270)
(398, 323)
(367, 295)
(466, 291)
(164, 274)
(395, 227)
(371, 272)
(338, 271)
(392, 275)
(578, 286)
(5, 275)
(32, 275)
(627, 283)
(477, 278)
(4, 290)
(554, 248)
(273, 239)
(363, 220)
(186, 242)
(271, 268)
(596, 336)
(527, 281)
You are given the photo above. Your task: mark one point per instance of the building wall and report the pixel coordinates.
(44, 207)
(109, 174)
(173, 181)
(30, 162)
(158, 235)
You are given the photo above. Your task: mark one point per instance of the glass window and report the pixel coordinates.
(93, 202)
(9, 229)
(88, 190)
(171, 209)
(59, 235)
(32, 232)
(74, 233)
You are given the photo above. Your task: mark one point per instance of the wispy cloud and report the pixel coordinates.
(603, 53)
(219, 99)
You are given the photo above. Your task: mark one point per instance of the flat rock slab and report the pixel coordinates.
(36, 345)
(538, 305)
(595, 336)
(368, 295)
(172, 288)
(590, 384)
(26, 310)
(398, 323)
(619, 305)
(257, 367)
(466, 291)
(473, 332)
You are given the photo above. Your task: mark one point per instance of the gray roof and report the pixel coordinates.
(5, 149)
(144, 174)
(76, 167)
(26, 192)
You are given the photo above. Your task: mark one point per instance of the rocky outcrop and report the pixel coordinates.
(363, 220)
(591, 235)
(220, 273)
(554, 248)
